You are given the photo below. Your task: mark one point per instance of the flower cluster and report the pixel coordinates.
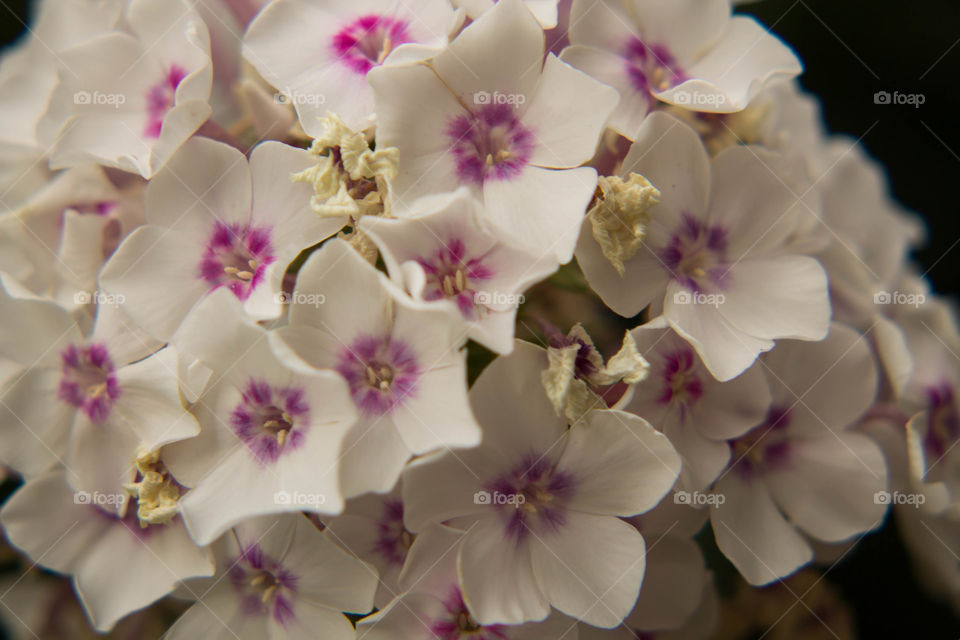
(254, 256)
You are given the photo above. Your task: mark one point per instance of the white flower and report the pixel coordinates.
(90, 401)
(78, 218)
(215, 222)
(401, 359)
(129, 100)
(371, 528)
(433, 606)
(804, 462)
(317, 53)
(117, 566)
(676, 584)
(536, 494)
(690, 53)
(28, 77)
(931, 401)
(444, 256)
(715, 252)
(278, 578)
(500, 121)
(695, 411)
(272, 427)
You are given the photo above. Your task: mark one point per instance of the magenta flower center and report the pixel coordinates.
(367, 41)
(160, 99)
(533, 495)
(88, 380)
(453, 275)
(490, 143)
(265, 586)
(382, 373)
(651, 67)
(456, 623)
(237, 257)
(943, 420)
(393, 540)
(270, 420)
(696, 255)
(681, 384)
(763, 448)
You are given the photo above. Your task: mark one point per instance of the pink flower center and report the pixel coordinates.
(270, 420)
(532, 495)
(237, 257)
(393, 540)
(452, 275)
(366, 42)
(681, 384)
(382, 373)
(456, 623)
(88, 380)
(160, 98)
(943, 420)
(490, 143)
(651, 67)
(696, 255)
(764, 447)
(265, 585)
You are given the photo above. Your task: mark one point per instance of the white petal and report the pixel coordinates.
(672, 585)
(725, 350)
(599, 587)
(754, 535)
(150, 401)
(497, 577)
(502, 51)
(830, 487)
(610, 68)
(205, 182)
(157, 273)
(373, 456)
(672, 24)
(342, 277)
(414, 110)
(620, 464)
(745, 60)
(567, 136)
(34, 424)
(826, 384)
(438, 415)
(282, 203)
(778, 297)
(554, 203)
(327, 575)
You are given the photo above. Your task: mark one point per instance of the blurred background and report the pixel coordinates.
(851, 50)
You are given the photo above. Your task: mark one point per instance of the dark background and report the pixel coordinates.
(853, 49)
